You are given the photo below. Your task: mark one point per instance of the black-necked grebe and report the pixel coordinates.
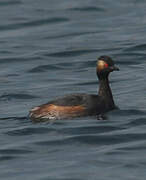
(77, 105)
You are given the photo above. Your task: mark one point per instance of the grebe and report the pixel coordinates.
(81, 104)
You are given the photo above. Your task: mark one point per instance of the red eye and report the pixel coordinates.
(106, 65)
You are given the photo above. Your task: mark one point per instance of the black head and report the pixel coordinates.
(105, 65)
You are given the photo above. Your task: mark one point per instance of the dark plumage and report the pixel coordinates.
(77, 105)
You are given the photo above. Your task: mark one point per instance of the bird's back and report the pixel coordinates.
(73, 105)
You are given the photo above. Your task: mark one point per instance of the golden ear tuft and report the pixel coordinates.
(100, 64)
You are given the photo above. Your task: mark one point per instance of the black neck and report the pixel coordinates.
(105, 92)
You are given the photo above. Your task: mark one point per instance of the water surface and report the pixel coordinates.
(48, 49)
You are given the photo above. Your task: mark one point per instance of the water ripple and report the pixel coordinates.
(88, 9)
(64, 39)
(90, 130)
(137, 122)
(33, 23)
(74, 34)
(28, 131)
(93, 139)
(14, 151)
(14, 59)
(9, 2)
(71, 53)
(16, 96)
(61, 66)
(5, 157)
(136, 48)
(43, 68)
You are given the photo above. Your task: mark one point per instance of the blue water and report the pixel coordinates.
(49, 48)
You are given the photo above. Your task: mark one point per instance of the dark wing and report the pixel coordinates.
(71, 100)
(93, 103)
(68, 100)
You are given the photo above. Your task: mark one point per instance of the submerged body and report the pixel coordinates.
(77, 105)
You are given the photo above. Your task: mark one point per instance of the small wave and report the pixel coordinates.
(141, 47)
(74, 34)
(135, 146)
(90, 130)
(16, 96)
(72, 53)
(88, 9)
(14, 151)
(129, 58)
(86, 83)
(8, 3)
(33, 23)
(87, 139)
(43, 68)
(61, 66)
(14, 118)
(5, 157)
(137, 122)
(19, 58)
(29, 131)
(129, 112)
